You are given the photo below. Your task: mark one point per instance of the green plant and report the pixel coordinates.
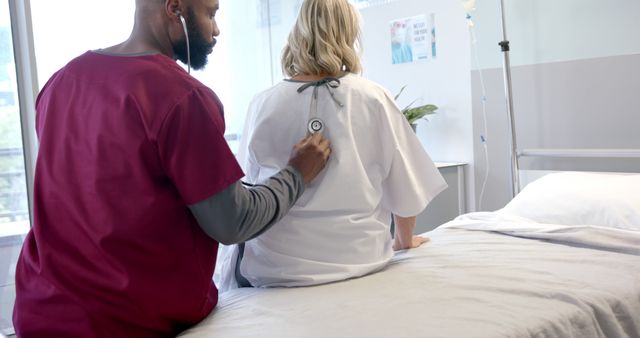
(413, 114)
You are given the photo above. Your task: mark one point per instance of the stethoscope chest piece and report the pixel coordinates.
(315, 125)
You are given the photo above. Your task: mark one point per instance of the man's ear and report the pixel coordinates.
(173, 8)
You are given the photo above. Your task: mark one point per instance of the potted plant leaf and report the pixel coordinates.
(413, 114)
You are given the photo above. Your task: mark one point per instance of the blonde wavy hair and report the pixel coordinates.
(324, 41)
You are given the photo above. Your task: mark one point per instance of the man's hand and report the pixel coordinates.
(310, 156)
(416, 241)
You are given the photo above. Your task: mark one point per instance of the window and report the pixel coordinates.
(62, 32)
(14, 212)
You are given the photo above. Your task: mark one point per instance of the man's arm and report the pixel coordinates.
(404, 238)
(238, 214)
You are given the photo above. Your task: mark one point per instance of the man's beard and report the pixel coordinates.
(198, 46)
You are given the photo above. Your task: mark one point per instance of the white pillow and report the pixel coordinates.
(581, 198)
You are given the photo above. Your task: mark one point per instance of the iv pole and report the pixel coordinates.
(506, 67)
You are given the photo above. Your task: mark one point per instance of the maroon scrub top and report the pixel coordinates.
(126, 144)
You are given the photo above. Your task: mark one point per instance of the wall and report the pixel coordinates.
(575, 75)
(444, 81)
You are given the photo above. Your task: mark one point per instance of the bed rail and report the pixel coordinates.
(618, 157)
(588, 153)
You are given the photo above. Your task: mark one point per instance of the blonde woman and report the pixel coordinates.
(340, 227)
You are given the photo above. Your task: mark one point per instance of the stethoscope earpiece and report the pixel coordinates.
(186, 37)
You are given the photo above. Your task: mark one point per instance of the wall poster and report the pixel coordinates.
(413, 39)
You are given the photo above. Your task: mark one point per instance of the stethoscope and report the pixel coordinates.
(186, 36)
(315, 124)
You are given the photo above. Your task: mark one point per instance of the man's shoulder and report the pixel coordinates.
(155, 81)
(129, 67)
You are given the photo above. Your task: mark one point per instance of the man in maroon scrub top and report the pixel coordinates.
(135, 186)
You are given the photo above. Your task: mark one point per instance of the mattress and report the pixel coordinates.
(464, 283)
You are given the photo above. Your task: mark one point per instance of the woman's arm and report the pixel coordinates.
(404, 238)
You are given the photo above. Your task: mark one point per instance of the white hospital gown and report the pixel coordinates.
(340, 227)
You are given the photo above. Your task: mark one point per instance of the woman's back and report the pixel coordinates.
(340, 226)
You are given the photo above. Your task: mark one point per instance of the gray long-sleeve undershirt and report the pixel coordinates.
(238, 214)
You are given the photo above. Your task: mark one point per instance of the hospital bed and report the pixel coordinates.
(562, 259)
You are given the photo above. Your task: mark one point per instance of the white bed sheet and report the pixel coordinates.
(464, 283)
